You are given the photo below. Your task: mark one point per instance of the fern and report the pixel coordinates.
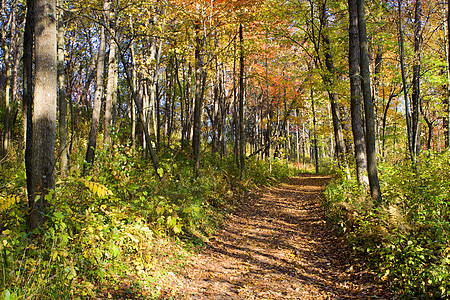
(96, 188)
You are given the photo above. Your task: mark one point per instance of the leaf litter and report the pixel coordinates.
(277, 245)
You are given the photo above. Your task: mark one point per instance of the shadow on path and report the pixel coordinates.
(277, 245)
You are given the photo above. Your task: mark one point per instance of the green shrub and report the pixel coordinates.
(407, 237)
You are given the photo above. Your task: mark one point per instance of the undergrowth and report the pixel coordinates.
(406, 238)
(120, 232)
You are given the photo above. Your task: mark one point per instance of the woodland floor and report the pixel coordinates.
(277, 245)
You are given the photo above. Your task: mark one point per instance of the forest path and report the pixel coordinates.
(277, 245)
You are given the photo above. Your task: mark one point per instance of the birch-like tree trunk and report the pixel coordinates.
(44, 113)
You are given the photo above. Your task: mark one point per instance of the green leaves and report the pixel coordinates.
(407, 239)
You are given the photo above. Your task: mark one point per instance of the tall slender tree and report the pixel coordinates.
(111, 85)
(27, 96)
(92, 142)
(44, 112)
(199, 74)
(355, 92)
(63, 145)
(415, 98)
(405, 91)
(372, 169)
(241, 102)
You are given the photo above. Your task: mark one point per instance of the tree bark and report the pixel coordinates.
(447, 127)
(316, 149)
(28, 95)
(355, 91)
(241, 103)
(415, 113)
(64, 149)
(405, 92)
(7, 122)
(112, 69)
(196, 143)
(372, 170)
(92, 143)
(44, 114)
(328, 79)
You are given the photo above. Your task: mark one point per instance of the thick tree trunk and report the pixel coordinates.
(355, 91)
(44, 114)
(92, 143)
(368, 106)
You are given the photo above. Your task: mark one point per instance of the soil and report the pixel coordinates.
(278, 245)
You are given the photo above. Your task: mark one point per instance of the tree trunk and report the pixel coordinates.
(447, 127)
(383, 124)
(28, 95)
(368, 107)
(241, 103)
(375, 92)
(198, 98)
(405, 92)
(336, 116)
(112, 69)
(355, 91)
(316, 149)
(415, 109)
(269, 112)
(90, 152)
(429, 125)
(44, 114)
(7, 123)
(64, 149)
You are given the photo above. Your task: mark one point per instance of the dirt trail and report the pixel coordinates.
(277, 245)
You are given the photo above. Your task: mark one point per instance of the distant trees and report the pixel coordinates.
(254, 78)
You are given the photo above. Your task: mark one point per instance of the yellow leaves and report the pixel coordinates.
(96, 188)
(6, 202)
